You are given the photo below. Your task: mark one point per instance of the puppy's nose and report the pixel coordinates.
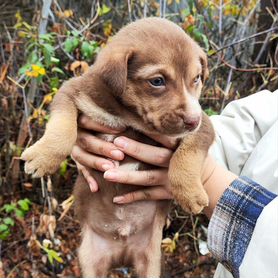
(191, 122)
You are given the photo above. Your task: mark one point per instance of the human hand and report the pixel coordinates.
(91, 152)
(155, 183)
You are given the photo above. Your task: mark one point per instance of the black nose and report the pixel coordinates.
(191, 122)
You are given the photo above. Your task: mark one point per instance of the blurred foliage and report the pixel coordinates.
(35, 61)
(10, 212)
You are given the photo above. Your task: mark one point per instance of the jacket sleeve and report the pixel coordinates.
(239, 233)
(246, 144)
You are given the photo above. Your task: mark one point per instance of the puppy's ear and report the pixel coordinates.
(204, 63)
(112, 68)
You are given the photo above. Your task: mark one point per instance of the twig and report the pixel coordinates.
(44, 16)
(15, 267)
(249, 69)
(264, 45)
(145, 8)
(129, 10)
(245, 39)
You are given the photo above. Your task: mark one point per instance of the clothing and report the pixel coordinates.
(244, 226)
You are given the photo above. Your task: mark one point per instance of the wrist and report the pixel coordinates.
(216, 179)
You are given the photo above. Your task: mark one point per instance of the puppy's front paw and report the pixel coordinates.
(190, 194)
(40, 160)
(195, 202)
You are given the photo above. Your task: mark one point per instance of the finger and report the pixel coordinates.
(88, 177)
(150, 154)
(166, 141)
(90, 160)
(145, 178)
(88, 123)
(98, 146)
(154, 193)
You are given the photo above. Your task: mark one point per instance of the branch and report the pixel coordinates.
(245, 39)
(44, 16)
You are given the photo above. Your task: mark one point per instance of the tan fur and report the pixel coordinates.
(116, 91)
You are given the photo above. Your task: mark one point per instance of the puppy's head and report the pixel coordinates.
(157, 72)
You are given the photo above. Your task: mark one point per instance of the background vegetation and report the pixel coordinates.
(43, 43)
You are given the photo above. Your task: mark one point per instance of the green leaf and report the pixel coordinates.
(54, 82)
(87, 50)
(32, 58)
(8, 221)
(71, 44)
(19, 213)
(103, 10)
(4, 235)
(48, 51)
(211, 52)
(23, 205)
(186, 12)
(210, 112)
(63, 168)
(53, 255)
(3, 227)
(205, 41)
(54, 60)
(9, 208)
(56, 69)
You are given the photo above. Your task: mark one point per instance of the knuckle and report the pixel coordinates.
(146, 195)
(101, 149)
(136, 149)
(83, 141)
(163, 157)
(131, 196)
(150, 178)
(126, 178)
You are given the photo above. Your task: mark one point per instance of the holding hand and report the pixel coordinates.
(92, 152)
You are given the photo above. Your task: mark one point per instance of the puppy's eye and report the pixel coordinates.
(197, 79)
(157, 82)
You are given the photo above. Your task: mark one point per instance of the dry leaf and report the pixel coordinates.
(75, 65)
(66, 205)
(84, 66)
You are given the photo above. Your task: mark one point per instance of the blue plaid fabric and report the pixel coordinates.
(234, 219)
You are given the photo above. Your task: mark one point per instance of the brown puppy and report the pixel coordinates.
(149, 78)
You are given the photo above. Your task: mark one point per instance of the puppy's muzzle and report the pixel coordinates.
(191, 123)
(178, 123)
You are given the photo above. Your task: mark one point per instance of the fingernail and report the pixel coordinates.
(116, 154)
(118, 199)
(106, 167)
(120, 142)
(110, 175)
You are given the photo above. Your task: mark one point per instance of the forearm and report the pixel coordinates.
(216, 179)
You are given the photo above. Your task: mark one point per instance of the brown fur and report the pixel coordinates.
(116, 91)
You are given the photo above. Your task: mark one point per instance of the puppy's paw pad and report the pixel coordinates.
(40, 161)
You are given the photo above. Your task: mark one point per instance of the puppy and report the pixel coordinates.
(147, 79)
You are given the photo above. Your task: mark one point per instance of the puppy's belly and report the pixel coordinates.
(116, 222)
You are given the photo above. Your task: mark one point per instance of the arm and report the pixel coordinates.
(90, 152)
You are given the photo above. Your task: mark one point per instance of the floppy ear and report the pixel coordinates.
(111, 66)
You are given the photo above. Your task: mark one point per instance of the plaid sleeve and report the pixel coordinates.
(234, 219)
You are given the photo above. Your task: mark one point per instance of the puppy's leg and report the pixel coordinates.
(45, 156)
(147, 262)
(94, 257)
(186, 166)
